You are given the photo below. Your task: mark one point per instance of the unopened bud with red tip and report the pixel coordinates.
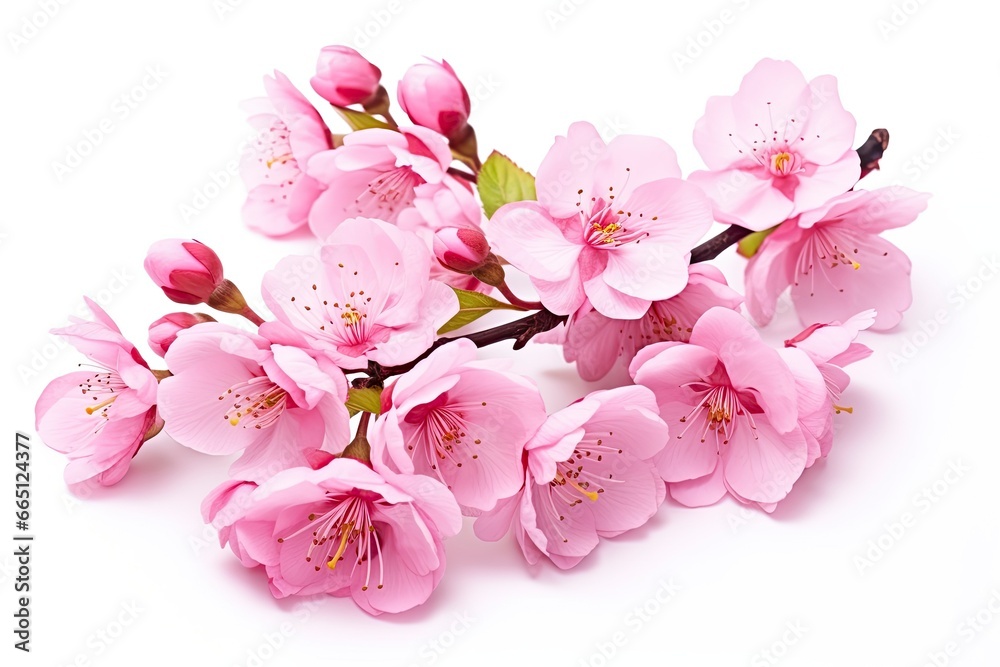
(461, 249)
(190, 272)
(432, 95)
(187, 271)
(344, 77)
(163, 332)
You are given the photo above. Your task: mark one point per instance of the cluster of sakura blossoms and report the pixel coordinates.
(415, 235)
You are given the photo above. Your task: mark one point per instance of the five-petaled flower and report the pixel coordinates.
(778, 147)
(835, 261)
(613, 223)
(99, 417)
(732, 405)
(368, 297)
(589, 475)
(462, 421)
(346, 530)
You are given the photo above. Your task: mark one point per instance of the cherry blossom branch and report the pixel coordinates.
(520, 331)
(713, 247)
(870, 153)
(872, 150)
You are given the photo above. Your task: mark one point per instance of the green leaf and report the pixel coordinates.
(502, 182)
(472, 306)
(749, 245)
(358, 120)
(364, 400)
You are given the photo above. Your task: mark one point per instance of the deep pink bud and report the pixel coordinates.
(187, 271)
(163, 332)
(432, 96)
(344, 77)
(461, 249)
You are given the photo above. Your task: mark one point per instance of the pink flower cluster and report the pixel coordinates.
(362, 430)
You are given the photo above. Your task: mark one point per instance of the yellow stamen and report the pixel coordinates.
(607, 231)
(840, 408)
(780, 160)
(855, 265)
(350, 317)
(590, 494)
(94, 408)
(345, 534)
(279, 158)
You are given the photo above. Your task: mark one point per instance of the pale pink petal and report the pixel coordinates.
(827, 117)
(819, 183)
(525, 235)
(771, 271)
(744, 197)
(493, 525)
(702, 491)
(762, 465)
(882, 282)
(636, 160)
(569, 167)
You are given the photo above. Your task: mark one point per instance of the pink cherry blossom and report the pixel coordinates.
(99, 417)
(596, 342)
(347, 530)
(432, 96)
(223, 506)
(368, 297)
(835, 261)
(778, 147)
(187, 271)
(271, 399)
(462, 421)
(376, 174)
(732, 405)
(289, 132)
(589, 475)
(163, 332)
(613, 224)
(344, 77)
(831, 347)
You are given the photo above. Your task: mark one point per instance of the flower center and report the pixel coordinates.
(584, 474)
(782, 163)
(721, 411)
(257, 403)
(274, 150)
(829, 249)
(351, 315)
(388, 195)
(348, 523)
(443, 431)
(772, 149)
(103, 388)
(343, 322)
(607, 225)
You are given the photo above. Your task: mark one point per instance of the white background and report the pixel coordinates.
(743, 578)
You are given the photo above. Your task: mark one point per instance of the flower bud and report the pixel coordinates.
(461, 249)
(344, 77)
(432, 96)
(163, 332)
(187, 271)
